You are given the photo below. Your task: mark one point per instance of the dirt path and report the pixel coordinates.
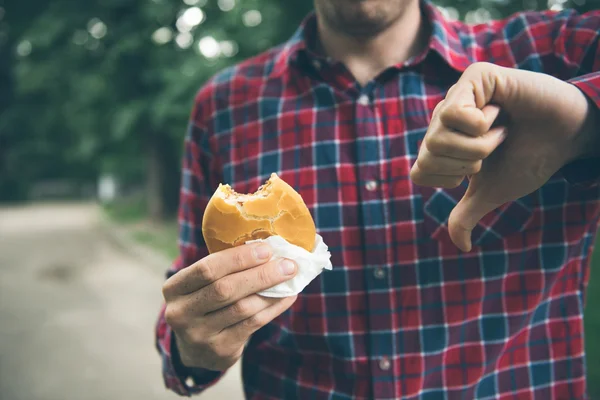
(77, 313)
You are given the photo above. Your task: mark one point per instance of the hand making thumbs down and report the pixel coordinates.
(545, 123)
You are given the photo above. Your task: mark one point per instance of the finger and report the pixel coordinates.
(234, 287)
(438, 181)
(437, 109)
(214, 267)
(239, 311)
(467, 213)
(455, 145)
(469, 120)
(241, 331)
(440, 165)
(476, 86)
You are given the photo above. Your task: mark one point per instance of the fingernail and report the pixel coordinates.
(263, 252)
(287, 267)
(503, 133)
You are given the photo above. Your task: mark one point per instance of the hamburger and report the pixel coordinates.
(275, 209)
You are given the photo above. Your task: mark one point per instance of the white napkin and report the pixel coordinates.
(310, 265)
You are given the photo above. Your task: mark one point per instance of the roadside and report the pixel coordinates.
(155, 245)
(77, 312)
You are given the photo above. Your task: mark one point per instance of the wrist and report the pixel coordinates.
(201, 376)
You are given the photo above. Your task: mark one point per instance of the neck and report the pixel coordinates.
(366, 57)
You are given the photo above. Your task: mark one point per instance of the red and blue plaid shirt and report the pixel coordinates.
(403, 314)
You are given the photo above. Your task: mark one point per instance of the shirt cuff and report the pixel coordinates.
(183, 380)
(586, 172)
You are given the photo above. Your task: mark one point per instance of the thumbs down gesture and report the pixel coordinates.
(508, 131)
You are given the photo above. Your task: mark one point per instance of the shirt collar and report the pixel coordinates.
(444, 40)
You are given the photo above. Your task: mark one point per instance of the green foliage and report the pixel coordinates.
(89, 87)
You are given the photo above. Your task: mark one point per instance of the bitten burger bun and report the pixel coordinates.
(275, 209)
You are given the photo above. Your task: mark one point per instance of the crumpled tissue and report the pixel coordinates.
(310, 265)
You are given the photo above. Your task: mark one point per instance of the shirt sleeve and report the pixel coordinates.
(577, 45)
(587, 172)
(199, 180)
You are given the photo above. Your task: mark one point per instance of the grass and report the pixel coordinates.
(131, 215)
(163, 237)
(127, 211)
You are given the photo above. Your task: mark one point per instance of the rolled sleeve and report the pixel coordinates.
(586, 172)
(177, 377)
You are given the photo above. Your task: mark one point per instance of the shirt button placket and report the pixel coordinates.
(368, 149)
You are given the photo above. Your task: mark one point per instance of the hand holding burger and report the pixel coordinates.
(213, 306)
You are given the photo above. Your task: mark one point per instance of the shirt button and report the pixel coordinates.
(379, 273)
(316, 64)
(363, 100)
(371, 185)
(384, 363)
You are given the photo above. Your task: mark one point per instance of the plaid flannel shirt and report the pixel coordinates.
(403, 313)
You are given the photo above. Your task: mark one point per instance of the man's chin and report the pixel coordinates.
(364, 18)
(363, 28)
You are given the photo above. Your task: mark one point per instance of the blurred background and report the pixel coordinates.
(94, 101)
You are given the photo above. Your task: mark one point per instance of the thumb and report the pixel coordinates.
(467, 213)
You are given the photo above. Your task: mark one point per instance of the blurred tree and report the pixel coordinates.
(107, 86)
(13, 177)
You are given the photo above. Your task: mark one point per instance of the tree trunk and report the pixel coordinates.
(163, 177)
(155, 181)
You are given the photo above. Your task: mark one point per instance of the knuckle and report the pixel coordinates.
(254, 322)
(264, 275)
(450, 113)
(205, 270)
(481, 124)
(197, 337)
(190, 338)
(426, 163)
(474, 168)
(478, 66)
(415, 176)
(424, 169)
(242, 308)
(167, 289)
(218, 350)
(174, 316)
(435, 144)
(450, 90)
(481, 152)
(222, 290)
(238, 259)
(437, 108)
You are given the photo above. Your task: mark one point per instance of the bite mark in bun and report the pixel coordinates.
(275, 209)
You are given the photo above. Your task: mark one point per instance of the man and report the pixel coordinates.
(450, 168)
